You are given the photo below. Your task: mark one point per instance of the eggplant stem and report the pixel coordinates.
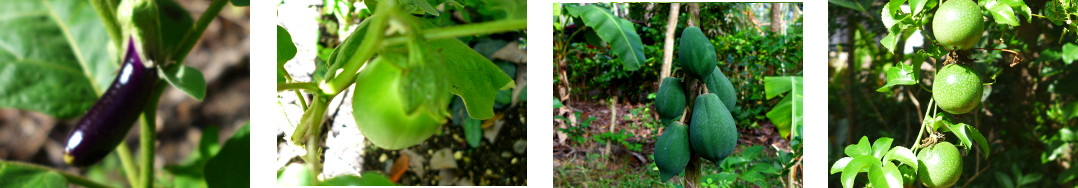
(128, 163)
(192, 36)
(148, 135)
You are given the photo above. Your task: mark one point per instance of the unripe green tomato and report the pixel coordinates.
(957, 89)
(379, 108)
(958, 24)
(940, 165)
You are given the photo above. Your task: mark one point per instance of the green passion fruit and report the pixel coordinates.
(957, 89)
(379, 107)
(958, 24)
(940, 165)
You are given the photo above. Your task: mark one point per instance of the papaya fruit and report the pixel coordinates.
(718, 84)
(672, 151)
(695, 53)
(712, 133)
(670, 100)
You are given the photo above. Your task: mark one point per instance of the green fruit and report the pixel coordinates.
(672, 151)
(670, 99)
(957, 89)
(379, 108)
(713, 134)
(958, 24)
(695, 53)
(940, 165)
(719, 85)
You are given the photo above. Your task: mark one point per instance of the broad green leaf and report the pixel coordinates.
(1020, 7)
(175, 23)
(857, 165)
(513, 9)
(296, 174)
(471, 76)
(472, 131)
(557, 103)
(187, 79)
(191, 173)
(917, 6)
(1002, 13)
(889, 12)
(19, 175)
(881, 146)
(902, 74)
(56, 57)
(1069, 53)
(787, 115)
(862, 148)
(840, 164)
(969, 136)
(618, 32)
(231, 167)
(903, 155)
(286, 50)
(365, 179)
(886, 176)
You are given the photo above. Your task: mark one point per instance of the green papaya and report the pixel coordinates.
(695, 53)
(672, 151)
(670, 100)
(719, 85)
(712, 133)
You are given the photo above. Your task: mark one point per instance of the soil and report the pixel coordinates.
(497, 163)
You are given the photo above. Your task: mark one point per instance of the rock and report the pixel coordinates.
(443, 159)
(520, 146)
(416, 163)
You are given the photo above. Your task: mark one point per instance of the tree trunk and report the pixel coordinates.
(694, 15)
(777, 25)
(668, 44)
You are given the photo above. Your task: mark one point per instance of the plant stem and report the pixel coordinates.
(148, 135)
(297, 86)
(371, 40)
(464, 30)
(127, 163)
(288, 79)
(108, 17)
(917, 142)
(71, 178)
(195, 33)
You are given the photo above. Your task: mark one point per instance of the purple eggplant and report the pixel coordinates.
(106, 123)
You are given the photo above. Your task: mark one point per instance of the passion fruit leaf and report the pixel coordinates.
(471, 76)
(857, 165)
(881, 146)
(968, 135)
(917, 6)
(862, 148)
(840, 164)
(1003, 14)
(901, 154)
(186, 79)
(900, 74)
(886, 176)
(55, 63)
(618, 32)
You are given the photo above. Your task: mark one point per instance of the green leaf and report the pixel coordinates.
(902, 74)
(890, 11)
(1002, 13)
(56, 57)
(839, 165)
(296, 174)
(618, 32)
(968, 135)
(473, 133)
(17, 174)
(366, 179)
(887, 176)
(286, 50)
(787, 115)
(471, 76)
(187, 79)
(881, 146)
(175, 23)
(513, 9)
(848, 4)
(232, 164)
(557, 103)
(862, 148)
(1070, 53)
(917, 6)
(903, 155)
(241, 3)
(857, 165)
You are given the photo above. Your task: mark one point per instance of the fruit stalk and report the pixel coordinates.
(106, 123)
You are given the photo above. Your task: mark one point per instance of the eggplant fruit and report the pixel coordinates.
(106, 123)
